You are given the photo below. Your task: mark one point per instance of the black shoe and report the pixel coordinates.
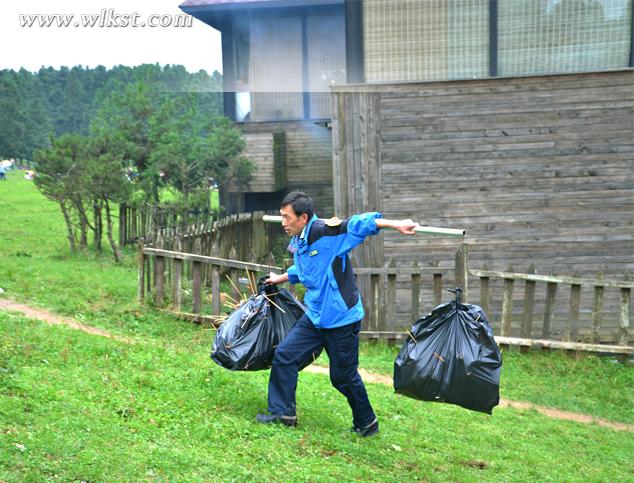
(276, 418)
(369, 430)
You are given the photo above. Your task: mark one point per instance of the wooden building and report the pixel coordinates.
(512, 119)
(280, 58)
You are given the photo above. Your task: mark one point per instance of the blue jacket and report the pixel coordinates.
(321, 263)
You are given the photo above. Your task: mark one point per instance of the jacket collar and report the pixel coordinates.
(301, 240)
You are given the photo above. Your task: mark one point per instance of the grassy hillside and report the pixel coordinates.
(79, 407)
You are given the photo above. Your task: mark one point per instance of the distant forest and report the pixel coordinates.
(52, 102)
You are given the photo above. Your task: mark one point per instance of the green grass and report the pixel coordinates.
(87, 408)
(598, 386)
(78, 407)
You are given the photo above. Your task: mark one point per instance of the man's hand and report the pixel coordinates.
(276, 279)
(406, 227)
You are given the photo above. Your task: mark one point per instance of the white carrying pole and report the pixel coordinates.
(424, 230)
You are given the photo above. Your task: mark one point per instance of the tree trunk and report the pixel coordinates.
(69, 226)
(113, 244)
(84, 224)
(155, 192)
(98, 224)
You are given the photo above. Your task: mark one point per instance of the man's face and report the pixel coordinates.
(292, 224)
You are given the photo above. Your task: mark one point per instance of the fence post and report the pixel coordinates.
(270, 261)
(233, 276)
(381, 302)
(177, 278)
(529, 305)
(415, 292)
(215, 281)
(159, 275)
(391, 299)
(252, 275)
(159, 287)
(288, 262)
(549, 308)
(133, 225)
(597, 309)
(143, 223)
(507, 304)
(141, 264)
(485, 292)
(149, 270)
(624, 320)
(122, 224)
(575, 302)
(437, 282)
(462, 270)
(169, 262)
(259, 236)
(375, 311)
(197, 281)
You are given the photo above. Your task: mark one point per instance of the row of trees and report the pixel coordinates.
(143, 141)
(34, 106)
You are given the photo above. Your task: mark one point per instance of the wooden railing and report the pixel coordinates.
(149, 222)
(155, 278)
(379, 292)
(388, 314)
(553, 283)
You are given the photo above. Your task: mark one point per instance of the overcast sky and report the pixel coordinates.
(196, 47)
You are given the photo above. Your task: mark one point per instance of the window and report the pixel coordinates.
(276, 67)
(431, 40)
(552, 36)
(416, 40)
(326, 40)
(285, 61)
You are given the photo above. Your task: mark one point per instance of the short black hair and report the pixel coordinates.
(301, 203)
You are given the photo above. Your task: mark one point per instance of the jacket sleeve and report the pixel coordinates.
(358, 228)
(292, 274)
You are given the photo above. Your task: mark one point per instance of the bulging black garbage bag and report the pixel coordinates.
(246, 341)
(451, 356)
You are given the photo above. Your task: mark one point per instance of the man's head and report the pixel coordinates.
(297, 209)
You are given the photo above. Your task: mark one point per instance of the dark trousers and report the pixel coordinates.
(342, 346)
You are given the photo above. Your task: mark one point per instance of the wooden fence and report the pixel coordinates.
(161, 272)
(244, 237)
(382, 305)
(147, 222)
(552, 283)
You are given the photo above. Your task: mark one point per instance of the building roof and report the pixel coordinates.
(200, 3)
(211, 11)
(228, 4)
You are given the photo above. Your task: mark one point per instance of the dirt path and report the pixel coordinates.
(53, 319)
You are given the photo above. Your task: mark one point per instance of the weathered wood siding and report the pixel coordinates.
(309, 164)
(307, 153)
(267, 152)
(536, 169)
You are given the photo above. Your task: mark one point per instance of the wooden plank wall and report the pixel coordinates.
(309, 164)
(261, 149)
(536, 169)
(308, 151)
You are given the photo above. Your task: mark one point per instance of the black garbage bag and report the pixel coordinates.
(246, 341)
(450, 356)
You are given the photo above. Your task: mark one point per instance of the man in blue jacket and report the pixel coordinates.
(334, 308)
